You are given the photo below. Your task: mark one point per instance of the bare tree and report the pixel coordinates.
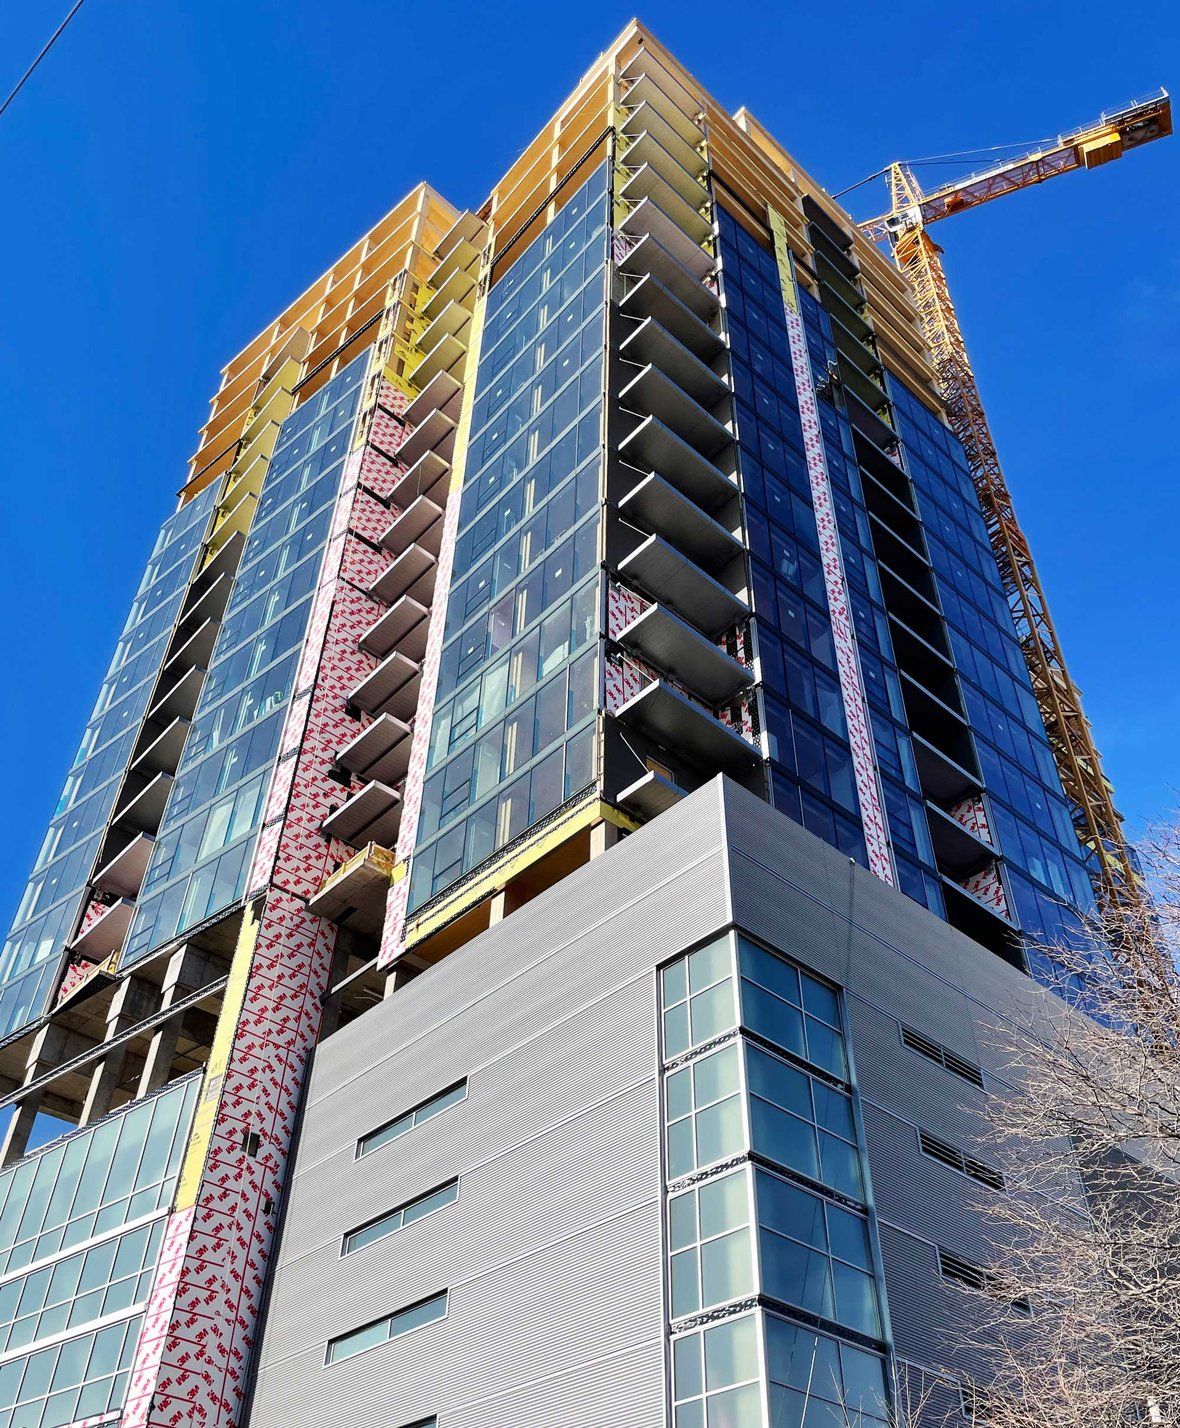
(1084, 1288)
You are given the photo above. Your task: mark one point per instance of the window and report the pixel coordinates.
(815, 1255)
(698, 997)
(980, 1277)
(406, 1214)
(848, 1382)
(945, 1058)
(709, 1236)
(802, 1122)
(705, 1120)
(790, 1008)
(415, 1316)
(715, 1374)
(424, 1111)
(950, 1155)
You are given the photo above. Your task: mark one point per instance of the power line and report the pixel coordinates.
(20, 84)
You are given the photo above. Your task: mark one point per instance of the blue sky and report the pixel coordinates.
(175, 174)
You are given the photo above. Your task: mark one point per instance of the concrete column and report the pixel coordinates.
(180, 979)
(47, 1050)
(133, 1001)
(603, 835)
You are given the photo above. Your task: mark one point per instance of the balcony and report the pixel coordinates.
(957, 850)
(653, 447)
(380, 751)
(371, 816)
(653, 80)
(122, 875)
(107, 933)
(651, 392)
(193, 653)
(645, 95)
(940, 777)
(676, 200)
(412, 573)
(164, 750)
(180, 700)
(665, 640)
(456, 284)
(356, 893)
(144, 809)
(682, 141)
(677, 163)
(443, 393)
(677, 583)
(392, 688)
(209, 606)
(651, 343)
(224, 562)
(649, 258)
(648, 218)
(660, 507)
(419, 524)
(652, 298)
(652, 794)
(665, 715)
(424, 478)
(403, 626)
(434, 433)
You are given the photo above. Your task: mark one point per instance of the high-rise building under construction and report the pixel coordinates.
(576, 712)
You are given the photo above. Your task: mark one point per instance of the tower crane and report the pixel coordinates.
(1097, 821)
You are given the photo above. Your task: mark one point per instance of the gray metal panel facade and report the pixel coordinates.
(552, 1253)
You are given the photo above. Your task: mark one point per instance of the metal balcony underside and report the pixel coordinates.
(371, 816)
(670, 719)
(649, 258)
(653, 447)
(180, 700)
(650, 297)
(651, 794)
(651, 343)
(682, 586)
(123, 874)
(424, 478)
(403, 626)
(419, 524)
(666, 641)
(653, 393)
(392, 688)
(649, 217)
(145, 809)
(165, 749)
(646, 91)
(107, 933)
(380, 751)
(660, 507)
(435, 432)
(957, 850)
(412, 573)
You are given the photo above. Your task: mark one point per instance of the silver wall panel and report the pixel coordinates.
(552, 1252)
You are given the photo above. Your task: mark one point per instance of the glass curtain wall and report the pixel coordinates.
(81, 1226)
(47, 912)
(767, 1196)
(1033, 826)
(202, 855)
(513, 731)
(811, 761)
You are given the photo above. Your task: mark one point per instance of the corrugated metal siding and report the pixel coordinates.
(552, 1253)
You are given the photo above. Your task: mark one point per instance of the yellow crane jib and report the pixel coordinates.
(1108, 138)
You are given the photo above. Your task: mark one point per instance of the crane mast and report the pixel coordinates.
(1098, 823)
